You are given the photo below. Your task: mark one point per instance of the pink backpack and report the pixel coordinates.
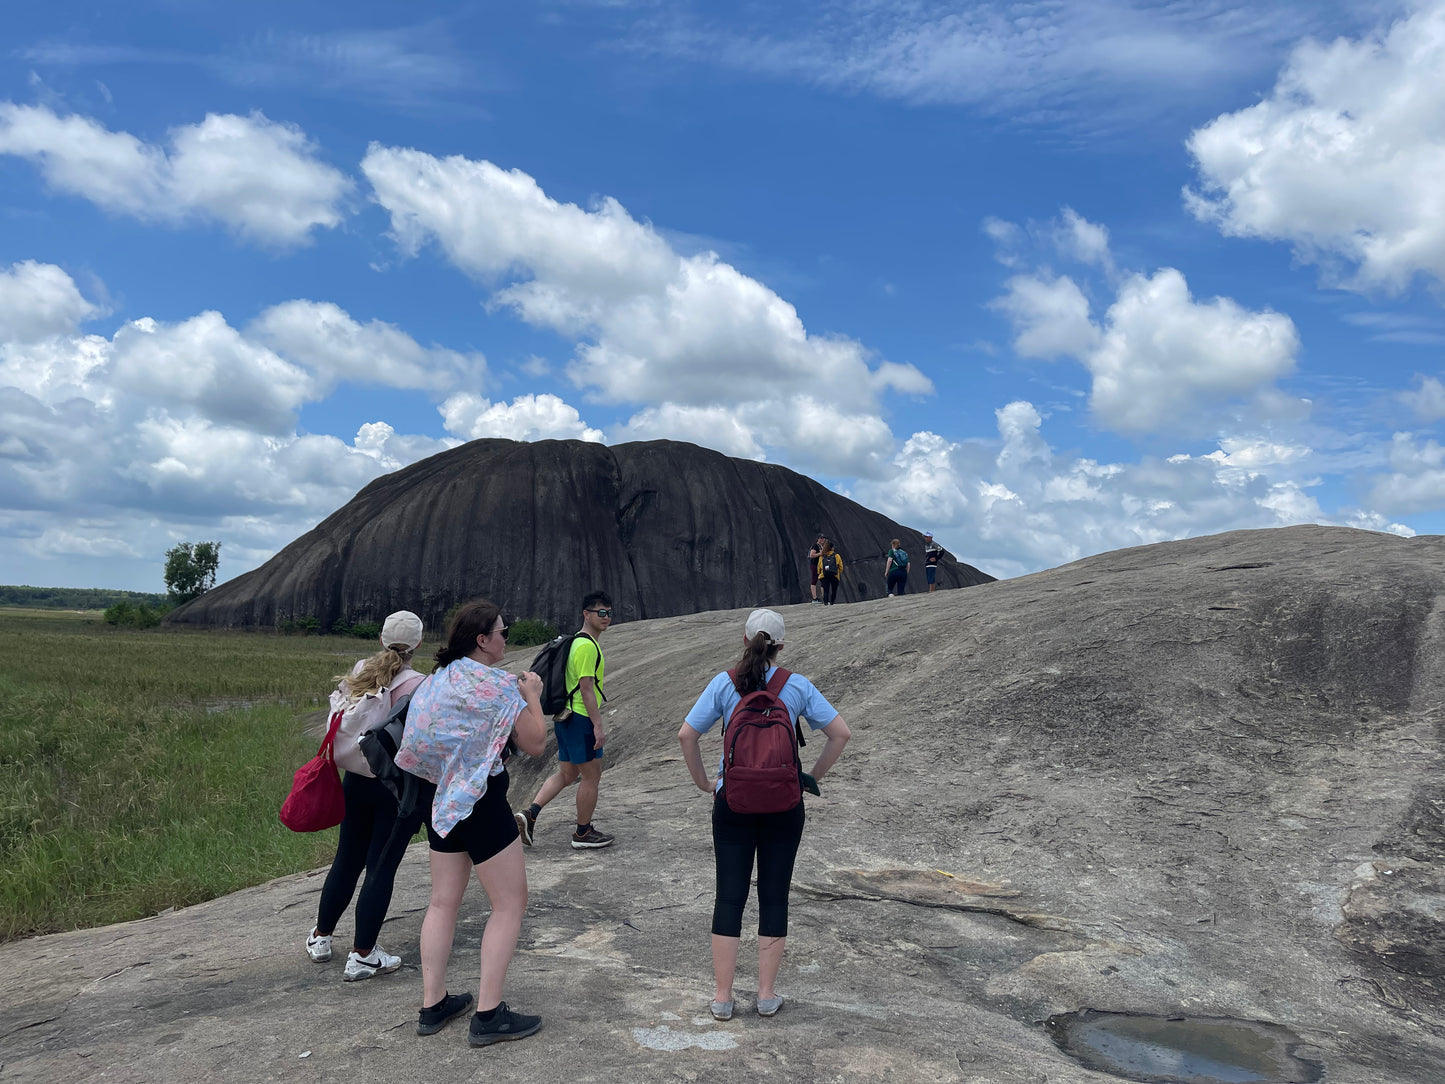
(761, 769)
(366, 712)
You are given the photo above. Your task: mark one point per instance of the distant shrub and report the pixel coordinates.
(365, 630)
(528, 631)
(300, 625)
(136, 616)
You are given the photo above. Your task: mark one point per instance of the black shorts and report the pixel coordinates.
(487, 831)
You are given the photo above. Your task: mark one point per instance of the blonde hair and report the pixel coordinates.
(894, 543)
(377, 672)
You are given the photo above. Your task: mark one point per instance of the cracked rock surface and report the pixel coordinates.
(1202, 777)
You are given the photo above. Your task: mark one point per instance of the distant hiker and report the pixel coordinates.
(932, 554)
(579, 731)
(895, 572)
(830, 571)
(371, 837)
(813, 555)
(759, 770)
(457, 726)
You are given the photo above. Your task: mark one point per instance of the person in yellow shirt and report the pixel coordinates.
(830, 571)
(579, 731)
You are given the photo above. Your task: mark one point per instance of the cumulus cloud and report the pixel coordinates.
(1050, 317)
(1416, 481)
(653, 327)
(325, 338)
(1163, 354)
(1345, 157)
(114, 447)
(1014, 504)
(39, 300)
(1160, 360)
(1427, 400)
(262, 179)
(527, 417)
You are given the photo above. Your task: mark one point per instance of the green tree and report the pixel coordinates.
(191, 569)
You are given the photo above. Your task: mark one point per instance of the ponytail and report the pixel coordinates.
(752, 668)
(377, 672)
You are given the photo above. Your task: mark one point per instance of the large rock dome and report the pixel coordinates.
(665, 527)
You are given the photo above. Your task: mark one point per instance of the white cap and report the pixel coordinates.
(769, 621)
(927, 534)
(402, 629)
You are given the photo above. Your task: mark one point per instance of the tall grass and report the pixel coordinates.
(141, 770)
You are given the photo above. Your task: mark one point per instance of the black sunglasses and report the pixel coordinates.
(603, 612)
(503, 631)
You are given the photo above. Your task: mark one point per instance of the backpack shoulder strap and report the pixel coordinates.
(778, 680)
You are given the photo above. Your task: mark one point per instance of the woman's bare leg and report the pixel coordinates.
(504, 879)
(449, 876)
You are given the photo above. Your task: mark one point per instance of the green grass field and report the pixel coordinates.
(141, 770)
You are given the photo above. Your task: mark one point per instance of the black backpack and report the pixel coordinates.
(551, 666)
(830, 564)
(379, 745)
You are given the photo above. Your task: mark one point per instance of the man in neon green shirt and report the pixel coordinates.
(579, 730)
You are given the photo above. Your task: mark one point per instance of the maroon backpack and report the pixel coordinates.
(761, 769)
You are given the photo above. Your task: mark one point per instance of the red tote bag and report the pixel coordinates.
(316, 801)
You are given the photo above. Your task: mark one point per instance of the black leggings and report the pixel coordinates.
(736, 838)
(830, 589)
(373, 838)
(898, 581)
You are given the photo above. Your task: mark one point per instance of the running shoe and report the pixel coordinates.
(503, 1027)
(318, 947)
(591, 839)
(432, 1020)
(525, 826)
(379, 961)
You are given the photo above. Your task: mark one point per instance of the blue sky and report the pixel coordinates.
(1045, 279)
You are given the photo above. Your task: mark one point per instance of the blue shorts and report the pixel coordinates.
(932, 571)
(574, 740)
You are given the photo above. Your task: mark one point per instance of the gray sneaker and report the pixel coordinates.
(591, 839)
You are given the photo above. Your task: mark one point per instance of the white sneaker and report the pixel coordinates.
(318, 947)
(363, 967)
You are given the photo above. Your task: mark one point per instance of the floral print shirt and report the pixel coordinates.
(456, 727)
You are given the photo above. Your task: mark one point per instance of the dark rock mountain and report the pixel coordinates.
(665, 527)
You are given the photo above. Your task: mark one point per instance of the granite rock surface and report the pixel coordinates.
(664, 526)
(1199, 778)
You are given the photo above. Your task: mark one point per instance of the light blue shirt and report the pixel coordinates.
(719, 699)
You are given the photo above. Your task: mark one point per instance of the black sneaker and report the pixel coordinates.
(592, 838)
(525, 825)
(430, 1021)
(503, 1027)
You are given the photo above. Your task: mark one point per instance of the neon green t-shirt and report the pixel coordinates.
(584, 660)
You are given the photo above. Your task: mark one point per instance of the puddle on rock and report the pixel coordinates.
(1183, 1050)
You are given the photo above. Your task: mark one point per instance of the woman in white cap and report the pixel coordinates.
(369, 839)
(771, 838)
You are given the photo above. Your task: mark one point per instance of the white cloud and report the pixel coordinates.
(115, 447)
(1163, 355)
(527, 417)
(1427, 400)
(654, 327)
(1160, 360)
(325, 338)
(1050, 317)
(1015, 505)
(39, 300)
(1345, 157)
(261, 178)
(1416, 482)
(1091, 65)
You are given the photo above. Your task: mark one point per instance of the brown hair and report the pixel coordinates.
(473, 619)
(752, 668)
